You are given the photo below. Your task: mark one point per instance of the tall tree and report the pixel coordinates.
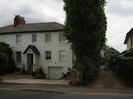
(85, 28)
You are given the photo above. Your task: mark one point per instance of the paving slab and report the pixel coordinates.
(37, 81)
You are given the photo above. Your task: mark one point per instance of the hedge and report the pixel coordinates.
(122, 65)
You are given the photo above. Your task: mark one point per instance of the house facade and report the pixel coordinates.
(38, 45)
(129, 40)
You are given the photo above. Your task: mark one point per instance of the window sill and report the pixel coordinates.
(48, 61)
(48, 42)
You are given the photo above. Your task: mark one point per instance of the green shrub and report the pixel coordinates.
(122, 65)
(23, 71)
(88, 70)
(126, 69)
(3, 68)
(11, 67)
(3, 63)
(7, 64)
(39, 74)
(74, 83)
(4, 48)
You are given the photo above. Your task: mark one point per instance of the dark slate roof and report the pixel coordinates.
(32, 27)
(112, 50)
(33, 48)
(126, 53)
(128, 35)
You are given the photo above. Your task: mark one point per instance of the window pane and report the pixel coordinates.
(34, 38)
(18, 38)
(48, 37)
(48, 55)
(18, 56)
(62, 55)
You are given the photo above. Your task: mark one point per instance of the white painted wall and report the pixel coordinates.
(129, 46)
(42, 46)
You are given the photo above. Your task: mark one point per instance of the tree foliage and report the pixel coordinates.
(4, 48)
(85, 28)
(7, 64)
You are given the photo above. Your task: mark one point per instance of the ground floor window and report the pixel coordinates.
(62, 55)
(18, 56)
(48, 55)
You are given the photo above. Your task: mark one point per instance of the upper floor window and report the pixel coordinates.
(34, 38)
(18, 56)
(18, 38)
(47, 37)
(62, 38)
(48, 55)
(62, 55)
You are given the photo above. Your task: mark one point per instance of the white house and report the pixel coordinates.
(129, 40)
(38, 45)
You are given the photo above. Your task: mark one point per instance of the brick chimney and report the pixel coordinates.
(19, 20)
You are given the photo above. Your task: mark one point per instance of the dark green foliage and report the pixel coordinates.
(3, 57)
(74, 83)
(39, 74)
(7, 64)
(23, 70)
(85, 26)
(3, 68)
(125, 70)
(88, 68)
(3, 63)
(123, 67)
(85, 29)
(4, 48)
(40, 71)
(11, 67)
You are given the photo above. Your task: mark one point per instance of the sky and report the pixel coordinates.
(118, 12)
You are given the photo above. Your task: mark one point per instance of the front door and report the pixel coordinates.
(29, 62)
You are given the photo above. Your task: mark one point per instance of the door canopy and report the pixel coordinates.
(33, 48)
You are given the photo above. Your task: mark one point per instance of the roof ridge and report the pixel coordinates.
(33, 23)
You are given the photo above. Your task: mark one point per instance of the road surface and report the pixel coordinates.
(18, 94)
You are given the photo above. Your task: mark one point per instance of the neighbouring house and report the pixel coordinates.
(109, 52)
(38, 45)
(129, 40)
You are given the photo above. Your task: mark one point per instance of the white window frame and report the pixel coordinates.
(62, 38)
(48, 37)
(62, 55)
(34, 38)
(18, 38)
(18, 56)
(48, 55)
